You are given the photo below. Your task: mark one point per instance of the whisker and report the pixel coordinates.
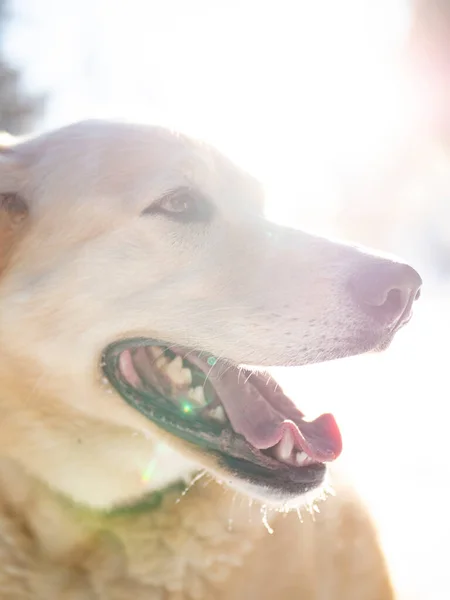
(230, 516)
(229, 366)
(190, 485)
(210, 370)
(250, 374)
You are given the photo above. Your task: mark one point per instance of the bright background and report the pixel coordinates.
(315, 99)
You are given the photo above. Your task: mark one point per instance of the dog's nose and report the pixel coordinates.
(386, 291)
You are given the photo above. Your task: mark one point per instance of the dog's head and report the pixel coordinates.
(143, 256)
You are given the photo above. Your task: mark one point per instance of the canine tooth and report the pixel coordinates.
(218, 414)
(283, 449)
(197, 395)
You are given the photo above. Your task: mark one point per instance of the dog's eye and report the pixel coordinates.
(183, 205)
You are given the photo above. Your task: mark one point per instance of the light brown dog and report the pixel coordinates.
(138, 280)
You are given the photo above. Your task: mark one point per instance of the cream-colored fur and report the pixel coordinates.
(80, 267)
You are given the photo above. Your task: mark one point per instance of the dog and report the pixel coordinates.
(145, 452)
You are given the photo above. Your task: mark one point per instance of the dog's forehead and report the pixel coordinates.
(117, 156)
(222, 181)
(162, 154)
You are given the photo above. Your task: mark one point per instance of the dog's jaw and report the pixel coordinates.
(98, 463)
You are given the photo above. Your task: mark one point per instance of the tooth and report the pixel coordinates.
(175, 371)
(157, 354)
(197, 395)
(162, 361)
(177, 363)
(302, 459)
(285, 446)
(187, 376)
(200, 394)
(218, 414)
(155, 351)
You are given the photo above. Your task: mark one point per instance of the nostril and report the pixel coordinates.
(386, 291)
(395, 301)
(391, 307)
(389, 298)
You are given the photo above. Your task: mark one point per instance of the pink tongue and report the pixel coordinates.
(259, 411)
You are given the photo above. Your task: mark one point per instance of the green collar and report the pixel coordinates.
(149, 502)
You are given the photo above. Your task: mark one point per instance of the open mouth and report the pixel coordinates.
(240, 416)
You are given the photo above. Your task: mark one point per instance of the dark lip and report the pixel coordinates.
(231, 450)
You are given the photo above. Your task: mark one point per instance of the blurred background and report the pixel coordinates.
(342, 109)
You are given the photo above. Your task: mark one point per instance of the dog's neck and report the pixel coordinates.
(178, 539)
(167, 537)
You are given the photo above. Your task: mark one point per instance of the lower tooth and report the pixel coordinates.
(186, 376)
(197, 395)
(218, 414)
(302, 459)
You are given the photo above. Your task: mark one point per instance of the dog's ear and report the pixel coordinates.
(13, 208)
